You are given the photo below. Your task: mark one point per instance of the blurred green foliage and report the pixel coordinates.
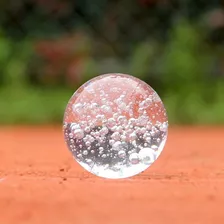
(170, 46)
(192, 94)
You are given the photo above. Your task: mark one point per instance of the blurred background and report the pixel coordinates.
(48, 48)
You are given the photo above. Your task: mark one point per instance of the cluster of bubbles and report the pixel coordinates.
(112, 135)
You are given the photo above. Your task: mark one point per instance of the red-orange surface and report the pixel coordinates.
(41, 183)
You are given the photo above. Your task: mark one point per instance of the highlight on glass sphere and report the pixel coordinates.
(115, 125)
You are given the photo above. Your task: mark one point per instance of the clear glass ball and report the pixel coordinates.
(115, 125)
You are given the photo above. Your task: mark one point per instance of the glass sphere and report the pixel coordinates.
(115, 125)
